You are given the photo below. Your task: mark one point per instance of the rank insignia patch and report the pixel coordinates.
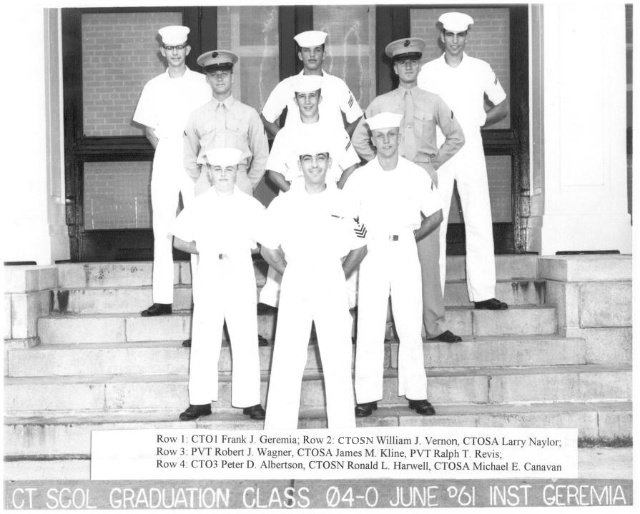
(360, 230)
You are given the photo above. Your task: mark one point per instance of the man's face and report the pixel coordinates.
(407, 70)
(222, 178)
(220, 81)
(308, 103)
(311, 57)
(386, 141)
(314, 167)
(454, 42)
(175, 55)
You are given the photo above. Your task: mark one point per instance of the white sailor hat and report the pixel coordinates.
(174, 35)
(455, 21)
(384, 120)
(307, 83)
(410, 46)
(220, 156)
(312, 146)
(217, 60)
(310, 38)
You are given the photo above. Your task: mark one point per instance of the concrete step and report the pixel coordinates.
(92, 394)
(123, 327)
(70, 436)
(110, 300)
(169, 357)
(115, 274)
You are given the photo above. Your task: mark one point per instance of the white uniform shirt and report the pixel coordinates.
(314, 227)
(166, 103)
(336, 99)
(285, 150)
(463, 88)
(390, 202)
(218, 224)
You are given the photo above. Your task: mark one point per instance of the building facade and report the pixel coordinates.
(557, 164)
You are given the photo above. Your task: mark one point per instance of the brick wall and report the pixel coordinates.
(120, 53)
(117, 195)
(488, 39)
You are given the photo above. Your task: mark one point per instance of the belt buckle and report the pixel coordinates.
(393, 238)
(222, 256)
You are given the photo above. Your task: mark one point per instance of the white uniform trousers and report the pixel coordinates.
(390, 268)
(320, 297)
(168, 180)
(226, 291)
(270, 292)
(469, 169)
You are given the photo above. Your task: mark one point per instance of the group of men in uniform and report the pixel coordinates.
(333, 221)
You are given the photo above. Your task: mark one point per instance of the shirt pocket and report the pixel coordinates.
(425, 125)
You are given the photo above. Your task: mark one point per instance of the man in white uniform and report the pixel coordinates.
(315, 227)
(222, 226)
(399, 207)
(283, 163)
(337, 97)
(164, 108)
(463, 81)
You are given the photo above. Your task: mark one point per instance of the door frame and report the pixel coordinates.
(393, 22)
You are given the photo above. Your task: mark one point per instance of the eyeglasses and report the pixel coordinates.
(219, 74)
(175, 47)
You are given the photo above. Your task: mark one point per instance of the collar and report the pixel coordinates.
(324, 73)
(187, 71)
(227, 102)
(465, 58)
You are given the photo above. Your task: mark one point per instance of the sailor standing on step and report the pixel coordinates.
(164, 108)
(314, 227)
(222, 226)
(463, 82)
(422, 113)
(399, 207)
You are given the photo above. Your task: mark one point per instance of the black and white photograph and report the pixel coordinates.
(318, 256)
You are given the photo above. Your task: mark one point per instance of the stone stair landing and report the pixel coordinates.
(79, 358)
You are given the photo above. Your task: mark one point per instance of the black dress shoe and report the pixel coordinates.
(447, 337)
(422, 407)
(262, 341)
(255, 412)
(491, 305)
(157, 309)
(263, 308)
(195, 411)
(186, 343)
(365, 409)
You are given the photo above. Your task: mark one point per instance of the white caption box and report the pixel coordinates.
(435, 452)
